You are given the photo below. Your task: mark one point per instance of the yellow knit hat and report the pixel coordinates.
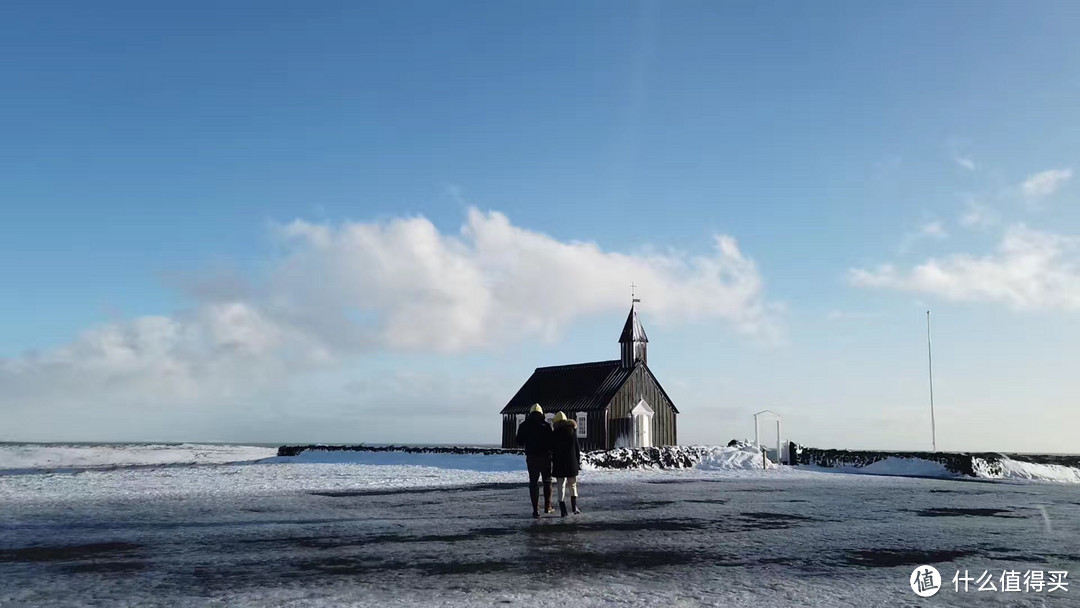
(536, 408)
(559, 417)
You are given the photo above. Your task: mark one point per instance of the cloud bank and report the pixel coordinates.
(1030, 270)
(334, 292)
(965, 162)
(1046, 183)
(493, 283)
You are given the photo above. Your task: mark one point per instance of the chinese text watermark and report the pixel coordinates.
(926, 581)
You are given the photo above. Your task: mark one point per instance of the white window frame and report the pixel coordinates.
(520, 419)
(582, 425)
(550, 417)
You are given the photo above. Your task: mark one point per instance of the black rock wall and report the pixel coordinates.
(685, 457)
(293, 450)
(962, 463)
(959, 463)
(667, 457)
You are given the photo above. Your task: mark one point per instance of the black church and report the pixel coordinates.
(617, 403)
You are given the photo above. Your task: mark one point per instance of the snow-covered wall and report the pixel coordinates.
(667, 457)
(739, 455)
(736, 455)
(984, 465)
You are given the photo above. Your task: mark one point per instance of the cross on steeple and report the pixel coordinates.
(633, 299)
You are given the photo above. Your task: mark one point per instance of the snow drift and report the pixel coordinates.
(741, 456)
(16, 458)
(897, 467)
(1008, 468)
(987, 465)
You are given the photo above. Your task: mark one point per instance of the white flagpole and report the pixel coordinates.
(930, 360)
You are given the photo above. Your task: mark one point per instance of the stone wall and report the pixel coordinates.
(969, 464)
(962, 463)
(667, 457)
(293, 450)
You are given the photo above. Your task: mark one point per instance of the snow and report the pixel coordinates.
(395, 529)
(1007, 468)
(741, 457)
(911, 467)
(894, 466)
(31, 457)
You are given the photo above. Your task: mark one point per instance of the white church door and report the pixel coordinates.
(642, 416)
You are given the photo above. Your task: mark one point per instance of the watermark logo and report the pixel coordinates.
(925, 581)
(1013, 581)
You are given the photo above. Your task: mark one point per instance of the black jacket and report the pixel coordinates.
(535, 435)
(565, 453)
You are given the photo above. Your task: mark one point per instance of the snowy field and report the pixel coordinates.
(391, 529)
(18, 458)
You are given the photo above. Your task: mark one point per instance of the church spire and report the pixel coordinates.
(633, 341)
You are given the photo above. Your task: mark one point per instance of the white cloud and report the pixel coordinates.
(333, 292)
(965, 162)
(931, 229)
(198, 357)
(934, 229)
(1030, 270)
(852, 315)
(1046, 183)
(494, 282)
(978, 215)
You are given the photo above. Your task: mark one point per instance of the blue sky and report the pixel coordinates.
(173, 163)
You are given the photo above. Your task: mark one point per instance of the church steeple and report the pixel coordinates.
(633, 343)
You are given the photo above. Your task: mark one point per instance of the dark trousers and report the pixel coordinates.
(539, 466)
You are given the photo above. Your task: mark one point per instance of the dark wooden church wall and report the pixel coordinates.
(594, 431)
(509, 431)
(619, 432)
(641, 385)
(593, 441)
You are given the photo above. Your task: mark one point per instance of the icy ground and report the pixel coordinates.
(303, 533)
(18, 458)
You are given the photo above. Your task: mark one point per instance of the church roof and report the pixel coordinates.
(576, 388)
(633, 331)
(570, 388)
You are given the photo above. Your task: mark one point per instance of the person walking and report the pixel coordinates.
(534, 435)
(565, 460)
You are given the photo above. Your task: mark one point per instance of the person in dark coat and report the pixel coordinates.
(535, 436)
(565, 460)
